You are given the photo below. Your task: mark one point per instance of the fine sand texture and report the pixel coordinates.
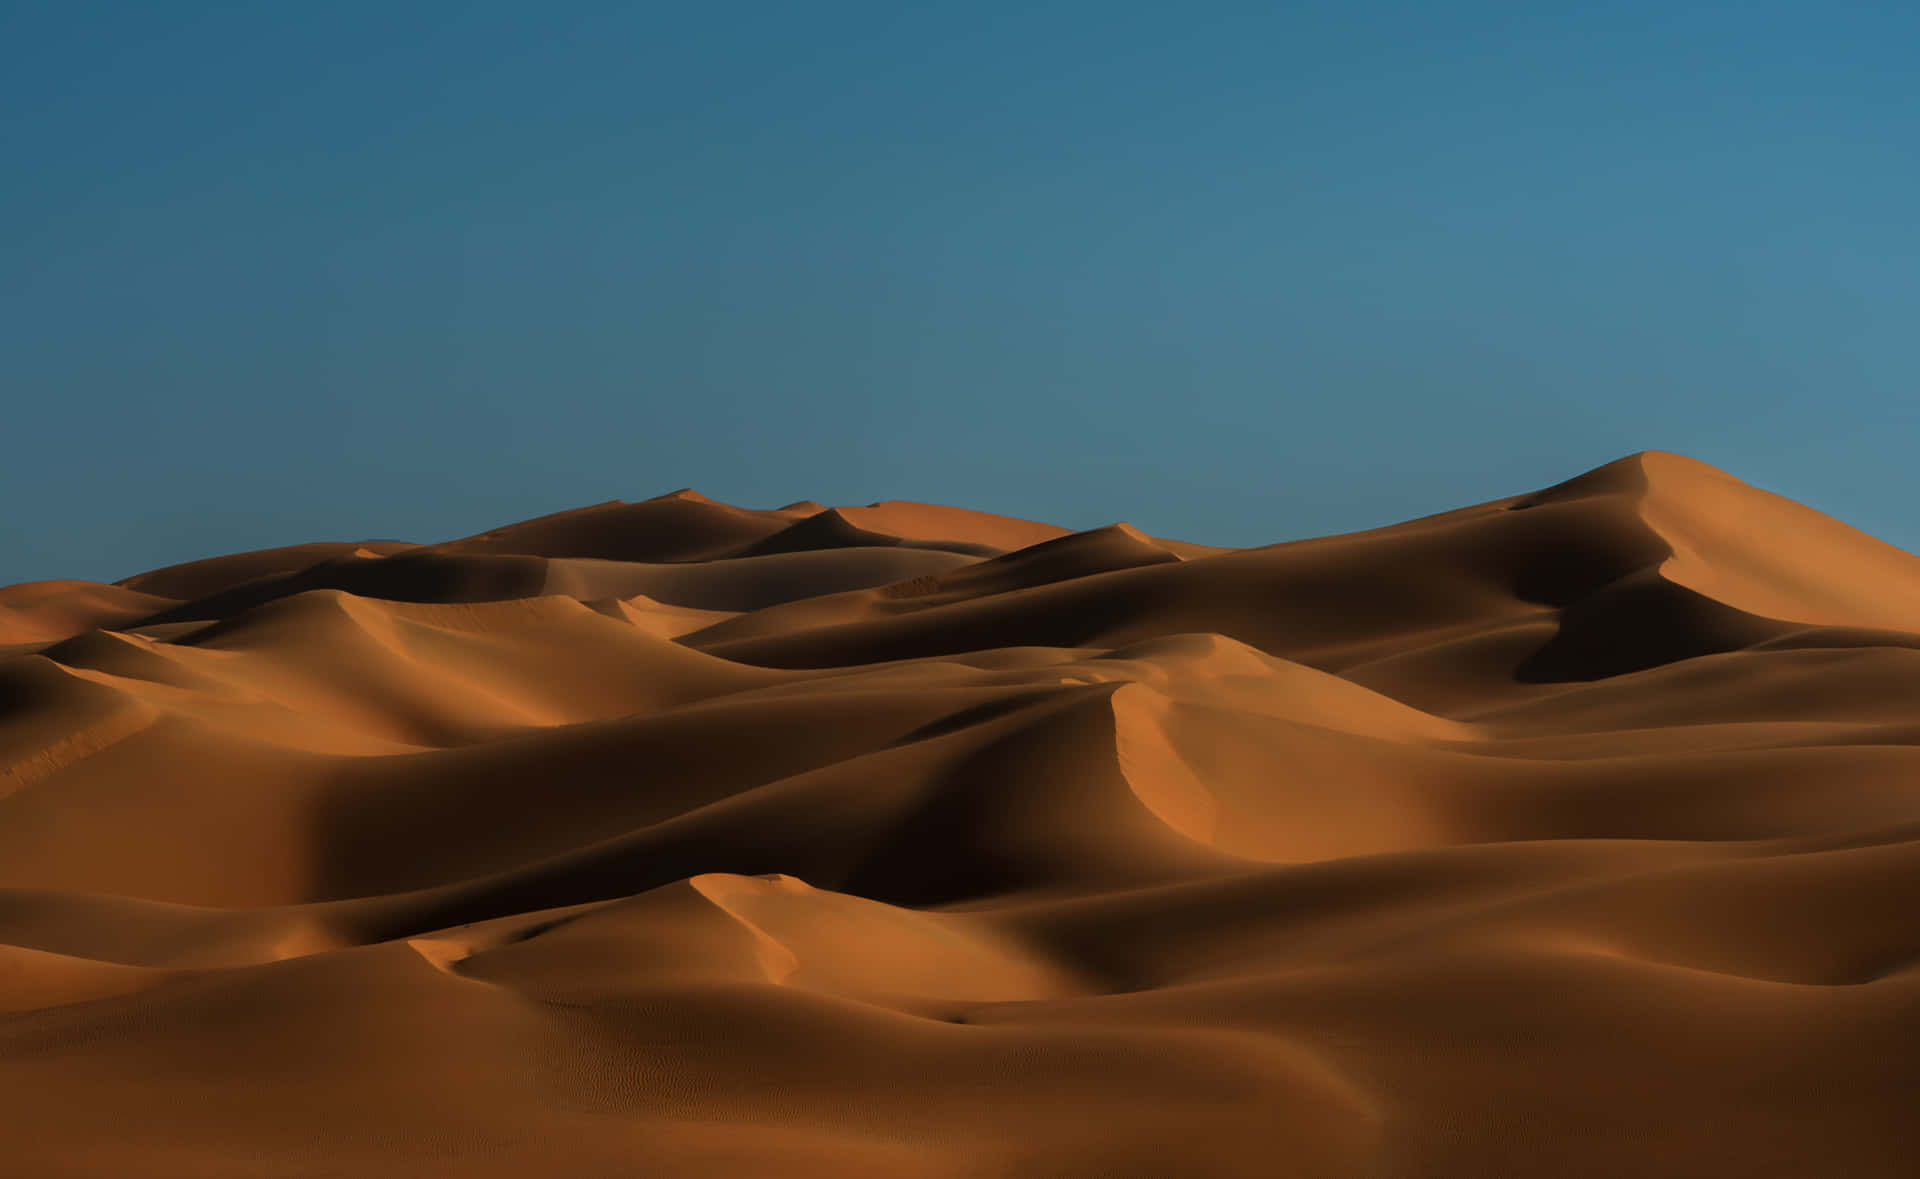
(1573, 834)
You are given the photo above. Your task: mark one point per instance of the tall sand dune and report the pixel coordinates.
(1571, 834)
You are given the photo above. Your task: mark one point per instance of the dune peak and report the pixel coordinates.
(686, 494)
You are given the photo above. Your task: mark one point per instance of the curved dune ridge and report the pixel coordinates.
(1571, 834)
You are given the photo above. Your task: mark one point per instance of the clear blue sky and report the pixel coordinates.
(1236, 272)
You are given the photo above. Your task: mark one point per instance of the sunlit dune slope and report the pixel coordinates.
(1571, 834)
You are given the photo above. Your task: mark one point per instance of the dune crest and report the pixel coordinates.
(1575, 833)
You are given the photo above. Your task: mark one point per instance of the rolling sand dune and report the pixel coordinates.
(1573, 834)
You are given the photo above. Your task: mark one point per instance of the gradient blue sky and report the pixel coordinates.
(1236, 272)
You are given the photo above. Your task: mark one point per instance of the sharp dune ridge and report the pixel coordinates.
(1570, 834)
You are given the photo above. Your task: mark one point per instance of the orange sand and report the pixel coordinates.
(1573, 834)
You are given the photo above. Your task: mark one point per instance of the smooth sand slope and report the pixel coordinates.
(1573, 834)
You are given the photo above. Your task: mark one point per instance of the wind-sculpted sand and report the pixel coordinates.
(1573, 834)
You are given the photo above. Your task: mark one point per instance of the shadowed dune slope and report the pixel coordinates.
(1572, 834)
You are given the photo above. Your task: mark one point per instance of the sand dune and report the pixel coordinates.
(40, 611)
(1572, 834)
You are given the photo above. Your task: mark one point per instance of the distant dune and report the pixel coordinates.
(1572, 834)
